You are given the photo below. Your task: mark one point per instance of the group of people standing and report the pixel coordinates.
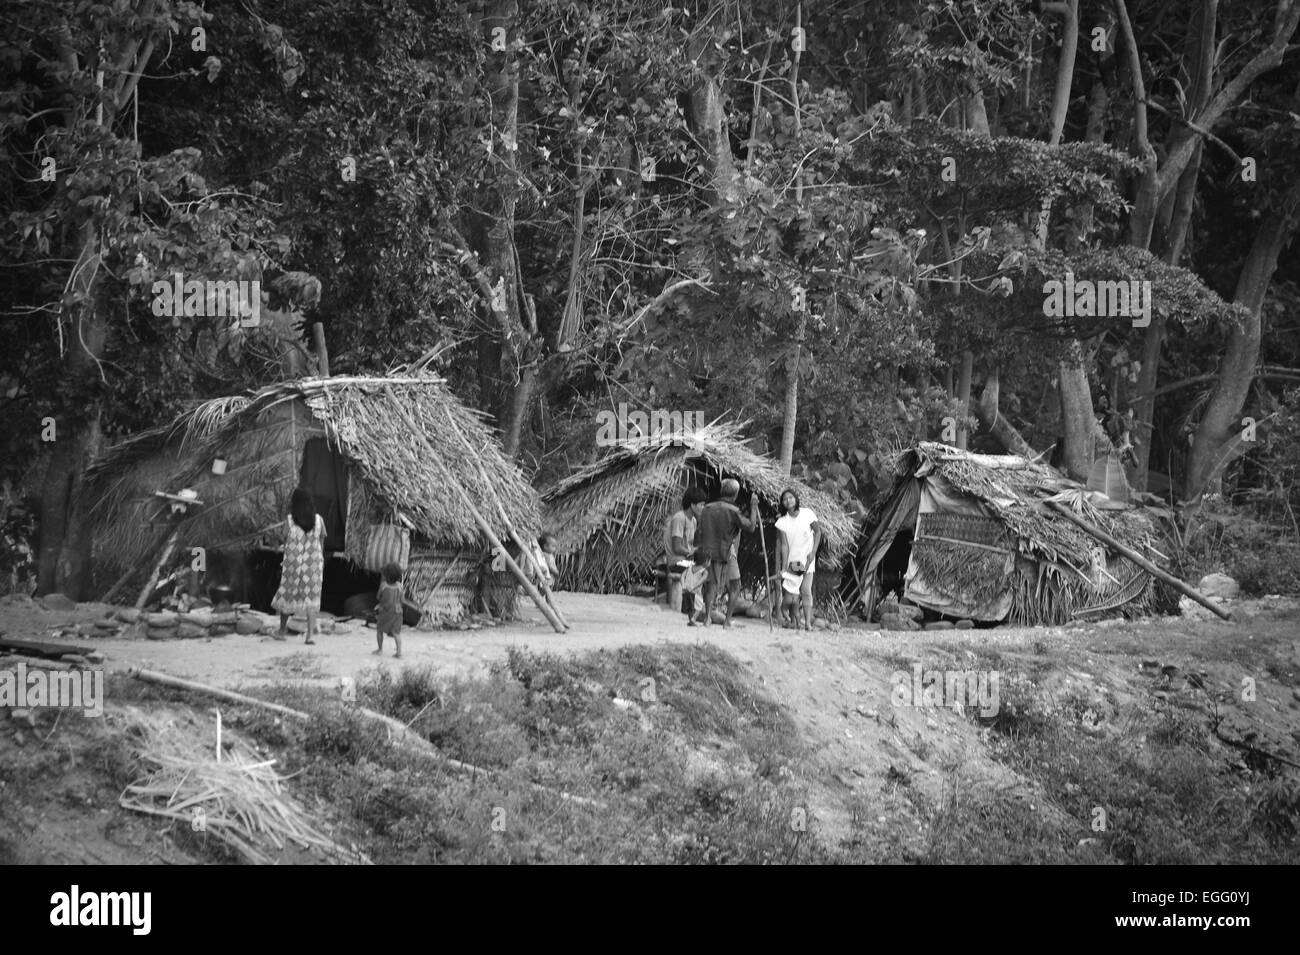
(702, 540)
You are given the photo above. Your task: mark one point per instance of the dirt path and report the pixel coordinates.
(868, 755)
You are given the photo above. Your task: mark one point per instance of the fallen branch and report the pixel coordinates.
(398, 732)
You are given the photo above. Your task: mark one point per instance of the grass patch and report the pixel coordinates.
(692, 764)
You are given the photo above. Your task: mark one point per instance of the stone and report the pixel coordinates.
(23, 716)
(190, 631)
(58, 602)
(227, 618)
(17, 600)
(1193, 610)
(199, 618)
(108, 624)
(166, 618)
(220, 630)
(964, 624)
(910, 612)
(892, 621)
(1219, 585)
(127, 614)
(939, 625)
(248, 625)
(821, 623)
(160, 633)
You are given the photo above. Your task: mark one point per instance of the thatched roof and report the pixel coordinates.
(1013, 490)
(615, 508)
(261, 435)
(1060, 573)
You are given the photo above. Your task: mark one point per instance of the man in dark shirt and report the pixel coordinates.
(719, 527)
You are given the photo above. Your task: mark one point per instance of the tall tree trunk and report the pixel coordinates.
(1146, 195)
(64, 549)
(1076, 413)
(709, 122)
(495, 238)
(963, 396)
(791, 416)
(986, 409)
(1061, 94)
(63, 558)
(1218, 436)
(1200, 46)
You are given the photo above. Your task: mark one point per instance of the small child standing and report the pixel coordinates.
(388, 617)
(791, 582)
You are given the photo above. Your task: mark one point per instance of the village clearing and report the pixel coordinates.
(632, 738)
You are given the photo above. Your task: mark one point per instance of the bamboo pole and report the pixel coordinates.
(176, 683)
(505, 519)
(399, 733)
(152, 582)
(767, 580)
(478, 518)
(1138, 559)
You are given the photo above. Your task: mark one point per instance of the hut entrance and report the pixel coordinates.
(325, 474)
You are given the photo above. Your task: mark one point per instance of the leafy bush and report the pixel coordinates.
(1262, 558)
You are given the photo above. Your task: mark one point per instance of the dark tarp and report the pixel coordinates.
(325, 475)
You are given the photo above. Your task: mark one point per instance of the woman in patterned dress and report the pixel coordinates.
(304, 564)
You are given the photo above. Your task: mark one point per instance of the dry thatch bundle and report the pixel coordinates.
(261, 439)
(608, 517)
(223, 789)
(985, 544)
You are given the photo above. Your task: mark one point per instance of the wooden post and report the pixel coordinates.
(322, 353)
(767, 580)
(505, 518)
(483, 525)
(1138, 559)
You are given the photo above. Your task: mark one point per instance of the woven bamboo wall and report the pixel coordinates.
(444, 583)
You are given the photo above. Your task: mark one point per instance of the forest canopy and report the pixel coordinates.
(837, 222)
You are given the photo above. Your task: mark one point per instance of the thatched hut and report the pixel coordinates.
(608, 517)
(343, 438)
(972, 535)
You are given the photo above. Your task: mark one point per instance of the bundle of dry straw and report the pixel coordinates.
(225, 790)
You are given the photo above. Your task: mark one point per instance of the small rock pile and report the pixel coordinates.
(901, 616)
(128, 623)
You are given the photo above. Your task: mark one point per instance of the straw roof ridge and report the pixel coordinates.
(617, 491)
(1013, 489)
(357, 417)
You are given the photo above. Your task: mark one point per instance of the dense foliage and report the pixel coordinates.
(562, 206)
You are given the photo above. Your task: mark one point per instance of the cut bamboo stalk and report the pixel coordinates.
(1138, 559)
(505, 518)
(767, 578)
(482, 523)
(176, 683)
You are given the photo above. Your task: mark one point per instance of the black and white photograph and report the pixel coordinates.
(629, 432)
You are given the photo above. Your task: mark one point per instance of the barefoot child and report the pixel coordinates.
(388, 617)
(791, 584)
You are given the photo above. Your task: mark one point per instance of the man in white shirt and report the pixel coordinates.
(801, 536)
